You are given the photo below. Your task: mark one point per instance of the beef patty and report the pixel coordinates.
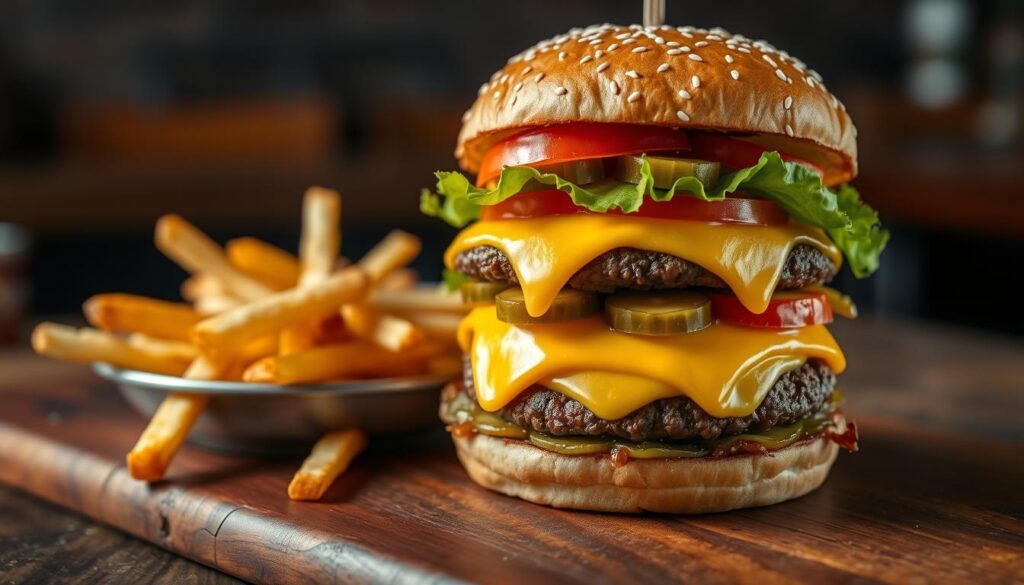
(797, 394)
(641, 269)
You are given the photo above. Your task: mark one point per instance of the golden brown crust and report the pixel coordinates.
(680, 77)
(675, 486)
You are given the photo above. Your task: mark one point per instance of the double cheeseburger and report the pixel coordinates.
(654, 214)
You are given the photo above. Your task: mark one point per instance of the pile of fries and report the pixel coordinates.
(260, 314)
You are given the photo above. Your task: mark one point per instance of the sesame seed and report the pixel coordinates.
(598, 53)
(684, 94)
(789, 130)
(601, 67)
(659, 40)
(729, 59)
(596, 42)
(743, 50)
(482, 90)
(527, 69)
(770, 61)
(633, 97)
(672, 44)
(586, 59)
(788, 102)
(809, 81)
(497, 95)
(662, 68)
(695, 57)
(686, 34)
(518, 87)
(632, 73)
(561, 90)
(622, 36)
(713, 38)
(503, 79)
(466, 115)
(640, 50)
(699, 44)
(612, 47)
(615, 87)
(538, 77)
(628, 41)
(682, 116)
(735, 74)
(674, 52)
(780, 74)
(562, 55)
(695, 81)
(685, 49)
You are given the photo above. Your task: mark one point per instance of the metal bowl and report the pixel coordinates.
(269, 419)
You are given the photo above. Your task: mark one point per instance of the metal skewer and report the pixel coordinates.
(654, 12)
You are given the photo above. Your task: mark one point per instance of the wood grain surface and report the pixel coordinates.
(933, 496)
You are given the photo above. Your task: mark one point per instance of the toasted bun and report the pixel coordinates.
(675, 486)
(665, 76)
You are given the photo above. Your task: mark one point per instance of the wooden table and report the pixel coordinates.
(933, 496)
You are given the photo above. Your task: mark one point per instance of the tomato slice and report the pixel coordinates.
(786, 310)
(736, 153)
(739, 210)
(577, 141)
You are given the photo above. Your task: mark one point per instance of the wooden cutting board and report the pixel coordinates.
(935, 495)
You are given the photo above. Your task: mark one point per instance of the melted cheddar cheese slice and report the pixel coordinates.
(727, 370)
(546, 251)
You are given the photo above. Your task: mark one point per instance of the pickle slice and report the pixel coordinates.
(668, 312)
(666, 170)
(569, 304)
(572, 445)
(495, 426)
(481, 291)
(655, 450)
(579, 172)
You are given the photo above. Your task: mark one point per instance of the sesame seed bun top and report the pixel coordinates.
(682, 77)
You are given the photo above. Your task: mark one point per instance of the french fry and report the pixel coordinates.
(92, 345)
(131, 313)
(265, 262)
(232, 329)
(441, 326)
(393, 333)
(198, 286)
(320, 243)
(215, 304)
(396, 250)
(179, 350)
(195, 252)
(167, 430)
(398, 280)
(331, 456)
(319, 247)
(256, 349)
(341, 361)
(297, 338)
(419, 300)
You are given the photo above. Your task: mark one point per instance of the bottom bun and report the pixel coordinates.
(675, 486)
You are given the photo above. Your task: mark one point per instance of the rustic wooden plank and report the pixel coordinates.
(40, 543)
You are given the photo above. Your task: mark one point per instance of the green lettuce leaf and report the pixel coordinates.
(452, 280)
(851, 224)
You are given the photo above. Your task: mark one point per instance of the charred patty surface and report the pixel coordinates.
(796, 395)
(641, 269)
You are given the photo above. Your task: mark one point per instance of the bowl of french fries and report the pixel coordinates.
(270, 350)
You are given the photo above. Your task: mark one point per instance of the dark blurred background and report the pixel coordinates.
(113, 113)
